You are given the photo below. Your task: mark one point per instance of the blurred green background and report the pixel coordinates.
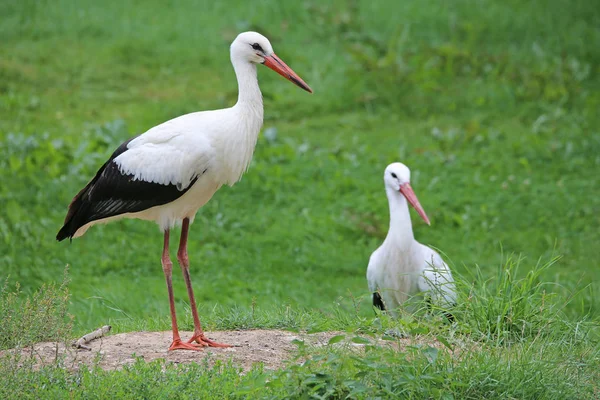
(493, 104)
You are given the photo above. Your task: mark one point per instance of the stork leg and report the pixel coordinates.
(167, 266)
(182, 257)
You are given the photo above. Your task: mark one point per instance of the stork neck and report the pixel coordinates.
(400, 225)
(244, 120)
(248, 90)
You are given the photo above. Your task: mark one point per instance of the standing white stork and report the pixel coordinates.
(166, 174)
(402, 267)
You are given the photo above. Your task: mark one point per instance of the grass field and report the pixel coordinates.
(494, 106)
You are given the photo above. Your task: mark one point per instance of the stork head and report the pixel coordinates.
(397, 180)
(255, 48)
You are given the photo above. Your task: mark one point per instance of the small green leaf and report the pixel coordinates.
(431, 353)
(443, 341)
(336, 339)
(360, 340)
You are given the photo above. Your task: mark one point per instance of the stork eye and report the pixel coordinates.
(256, 46)
(394, 175)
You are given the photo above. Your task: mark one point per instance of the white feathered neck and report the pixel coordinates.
(238, 142)
(400, 232)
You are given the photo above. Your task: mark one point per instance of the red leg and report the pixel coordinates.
(167, 266)
(182, 257)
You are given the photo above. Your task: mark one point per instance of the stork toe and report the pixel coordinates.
(206, 342)
(179, 345)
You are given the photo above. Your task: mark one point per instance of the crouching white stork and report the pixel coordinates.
(402, 267)
(166, 174)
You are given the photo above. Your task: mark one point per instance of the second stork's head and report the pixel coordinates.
(397, 181)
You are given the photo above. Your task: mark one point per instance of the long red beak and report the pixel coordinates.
(277, 65)
(407, 191)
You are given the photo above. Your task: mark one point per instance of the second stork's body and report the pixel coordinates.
(402, 267)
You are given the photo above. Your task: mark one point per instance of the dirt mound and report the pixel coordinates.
(270, 347)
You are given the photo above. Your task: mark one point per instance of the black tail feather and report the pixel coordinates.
(378, 301)
(64, 233)
(67, 231)
(75, 218)
(72, 222)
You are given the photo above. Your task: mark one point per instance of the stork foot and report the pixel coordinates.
(206, 342)
(179, 345)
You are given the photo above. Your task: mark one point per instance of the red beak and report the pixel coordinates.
(407, 191)
(277, 65)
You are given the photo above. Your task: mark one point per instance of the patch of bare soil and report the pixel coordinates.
(270, 347)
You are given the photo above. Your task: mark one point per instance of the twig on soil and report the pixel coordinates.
(98, 333)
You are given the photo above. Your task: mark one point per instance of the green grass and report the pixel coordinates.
(415, 373)
(494, 106)
(506, 351)
(32, 319)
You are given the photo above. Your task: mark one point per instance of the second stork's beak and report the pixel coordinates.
(277, 65)
(410, 195)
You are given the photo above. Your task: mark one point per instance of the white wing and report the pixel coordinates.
(373, 271)
(436, 279)
(170, 153)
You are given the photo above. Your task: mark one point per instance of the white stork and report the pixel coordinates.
(402, 267)
(166, 174)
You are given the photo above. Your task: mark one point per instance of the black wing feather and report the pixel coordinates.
(113, 193)
(378, 301)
